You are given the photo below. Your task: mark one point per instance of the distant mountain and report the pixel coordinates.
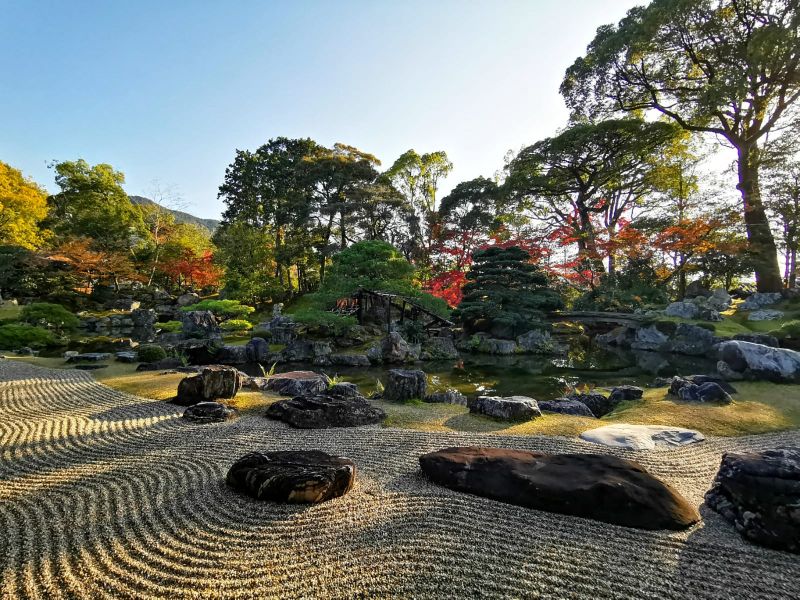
(180, 216)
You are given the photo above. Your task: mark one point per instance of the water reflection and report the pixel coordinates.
(542, 377)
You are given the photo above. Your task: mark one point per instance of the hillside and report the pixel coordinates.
(180, 216)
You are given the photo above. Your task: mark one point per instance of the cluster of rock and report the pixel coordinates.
(702, 388)
(536, 341)
(663, 336)
(139, 324)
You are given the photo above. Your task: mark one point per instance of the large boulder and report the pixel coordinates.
(706, 392)
(349, 360)
(499, 347)
(766, 314)
(754, 361)
(598, 403)
(509, 408)
(641, 437)
(188, 299)
(565, 406)
(405, 385)
(600, 487)
(759, 493)
(677, 382)
(535, 341)
(439, 348)
(760, 300)
(719, 300)
(684, 310)
(649, 338)
(199, 324)
(257, 350)
(211, 383)
(292, 476)
(144, 324)
(691, 340)
(696, 289)
(208, 412)
(297, 383)
(447, 397)
(393, 349)
(231, 355)
(324, 411)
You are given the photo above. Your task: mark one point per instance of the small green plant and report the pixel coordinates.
(170, 326)
(331, 381)
(181, 356)
(379, 387)
(17, 335)
(150, 353)
(267, 374)
(49, 316)
(236, 325)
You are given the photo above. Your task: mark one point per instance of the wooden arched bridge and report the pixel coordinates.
(364, 302)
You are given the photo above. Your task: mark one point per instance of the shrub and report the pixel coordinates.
(170, 326)
(51, 316)
(315, 318)
(17, 335)
(261, 333)
(636, 286)
(150, 353)
(223, 310)
(412, 331)
(236, 325)
(790, 329)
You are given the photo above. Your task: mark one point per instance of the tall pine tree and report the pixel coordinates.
(505, 294)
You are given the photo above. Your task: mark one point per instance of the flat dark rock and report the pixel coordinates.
(292, 476)
(297, 383)
(600, 487)
(566, 406)
(759, 493)
(209, 412)
(323, 411)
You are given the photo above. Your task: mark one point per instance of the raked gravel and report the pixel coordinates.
(106, 495)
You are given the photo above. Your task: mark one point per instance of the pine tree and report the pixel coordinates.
(505, 293)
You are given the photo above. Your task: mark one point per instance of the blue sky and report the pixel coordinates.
(168, 90)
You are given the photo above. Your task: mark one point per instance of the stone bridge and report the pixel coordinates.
(599, 318)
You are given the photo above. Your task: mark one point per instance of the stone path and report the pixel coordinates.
(105, 495)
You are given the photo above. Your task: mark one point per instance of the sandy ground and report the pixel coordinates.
(108, 495)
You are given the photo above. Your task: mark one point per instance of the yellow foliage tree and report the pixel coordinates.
(23, 205)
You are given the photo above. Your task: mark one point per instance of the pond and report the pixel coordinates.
(541, 377)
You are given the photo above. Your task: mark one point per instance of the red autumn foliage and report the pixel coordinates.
(193, 271)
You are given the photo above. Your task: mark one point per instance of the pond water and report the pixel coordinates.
(541, 377)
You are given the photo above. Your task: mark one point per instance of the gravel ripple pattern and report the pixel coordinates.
(106, 495)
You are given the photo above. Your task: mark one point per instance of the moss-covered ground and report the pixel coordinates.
(758, 407)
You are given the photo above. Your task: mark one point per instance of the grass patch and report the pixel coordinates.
(759, 407)
(10, 312)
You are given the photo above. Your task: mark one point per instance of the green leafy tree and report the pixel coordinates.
(417, 177)
(589, 169)
(783, 201)
(248, 253)
(23, 206)
(505, 293)
(726, 67)
(93, 205)
(50, 316)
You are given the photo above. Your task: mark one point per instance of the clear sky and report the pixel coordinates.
(167, 90)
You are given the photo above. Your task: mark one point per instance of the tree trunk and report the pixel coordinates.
(793, 267)
(682, 279)
(761, 243)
